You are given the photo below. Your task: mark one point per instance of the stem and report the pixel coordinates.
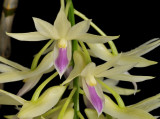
(61, 114)
(62, 3)
(114, 93)
(38, 55)
(40, 88)
(111, 44)
(74, 47)
(80, 115)
(67, 7)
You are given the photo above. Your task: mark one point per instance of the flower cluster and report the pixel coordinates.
(66, 53)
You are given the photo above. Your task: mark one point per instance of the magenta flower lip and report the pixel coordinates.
(62, 61)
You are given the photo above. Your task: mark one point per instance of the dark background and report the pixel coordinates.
(135, 22)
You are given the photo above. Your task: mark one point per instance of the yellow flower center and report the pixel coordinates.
(91, 80)
(62, 43)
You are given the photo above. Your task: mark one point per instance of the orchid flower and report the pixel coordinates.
(12, 71)
(90, 72)
(62, 33)
(36, 108)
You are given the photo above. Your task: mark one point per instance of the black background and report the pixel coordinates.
(135, 22)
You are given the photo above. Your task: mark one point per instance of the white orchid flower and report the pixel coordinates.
(36, 108)
(62, 33)
(136, 111)
(90, 72)
(12, 71)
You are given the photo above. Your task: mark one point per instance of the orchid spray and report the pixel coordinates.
(69, 54)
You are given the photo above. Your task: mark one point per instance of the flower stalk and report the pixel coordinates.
(40, 88)
(74, 48)
(111, 43)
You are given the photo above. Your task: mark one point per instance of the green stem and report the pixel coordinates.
(61, 114)
(38, 55)
(80, 115)
(74, 48)
(114, 93)
(111, 44)
(40, 88)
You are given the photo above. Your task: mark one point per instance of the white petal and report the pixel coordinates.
(29, 84)
(45, 64)
(79, 65)
(30, 36)
(90, 38)
(148, 104)
(45, 102)
(124, 113)
(69, 114)
(121, 91)
(6, 68)
(7, 98)
(107, 65)
(130, 78)
(78, 29)
(100, 51)
(116, 70)
(110, 82)
(13, 64)
(144, 48)
(61, 24)
(141, 62)
(45, 28)
(92, 114)
(89, 69)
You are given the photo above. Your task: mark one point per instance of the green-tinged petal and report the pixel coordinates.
(90, 38)
(7, 98)
(145, 48)
(30, 36)
(45, 102)
(92, 114)
(116, 70)
(61, 24)
(141, 62)
(111, 82)
(148, 104)
(11, 117)
(6, 68)
(130, 78)
(89, 69)
(79, 66)
(124, 113)
(45, 28)
(78, 29)
(45, 64)
(107, 65)
(13, 64)
(100, 51)
(29, 84)
(53, 113)
(121, 91)
(69, 114)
